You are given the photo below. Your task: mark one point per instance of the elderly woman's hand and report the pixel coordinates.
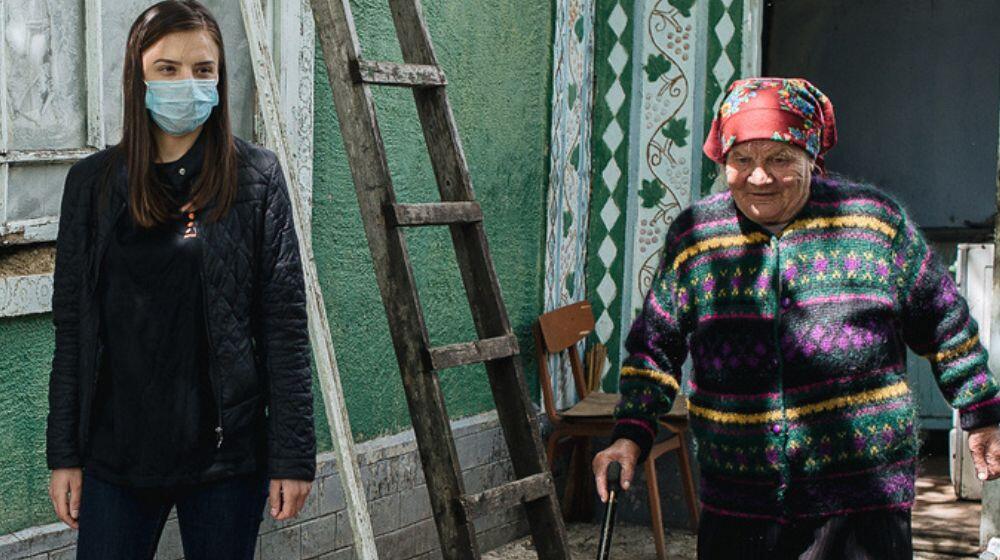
(626, 453)
(985, 446)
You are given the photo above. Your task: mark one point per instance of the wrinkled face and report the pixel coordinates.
(769, 180)
(181, 55)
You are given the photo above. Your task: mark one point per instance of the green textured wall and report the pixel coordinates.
(26, 345)
(497, 56)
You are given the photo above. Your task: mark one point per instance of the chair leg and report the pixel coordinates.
(683, 459)
(580, 504)
(575, 506)
(550, 450)
(656, 516)
(571, 475)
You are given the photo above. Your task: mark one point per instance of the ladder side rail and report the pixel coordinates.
(475, 264)
(319, 329)
(517, 417)
(373, 186)
(451, 171)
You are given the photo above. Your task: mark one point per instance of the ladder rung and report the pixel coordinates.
(436, 213)
(507, 496)
(463, 353)
(396, 74)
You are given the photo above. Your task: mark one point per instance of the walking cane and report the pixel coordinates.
(608, 525)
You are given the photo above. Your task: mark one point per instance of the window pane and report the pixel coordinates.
(35, 191)
(117, 20)
(46, 74)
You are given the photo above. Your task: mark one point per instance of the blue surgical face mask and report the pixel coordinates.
(180, 106)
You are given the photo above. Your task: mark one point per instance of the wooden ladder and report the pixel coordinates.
(385, 221)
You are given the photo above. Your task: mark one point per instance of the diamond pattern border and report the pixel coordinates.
(724, 57)
(612, 113)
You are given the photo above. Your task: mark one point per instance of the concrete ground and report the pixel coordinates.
(631, 542)
(943, 528)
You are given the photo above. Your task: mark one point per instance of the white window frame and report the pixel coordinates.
(293, 42)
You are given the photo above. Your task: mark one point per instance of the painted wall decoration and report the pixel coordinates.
(665, 146)
(724, 59)
(569, 174)
(661, 69)
(612, 114)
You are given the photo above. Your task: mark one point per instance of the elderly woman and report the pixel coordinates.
(796, 295)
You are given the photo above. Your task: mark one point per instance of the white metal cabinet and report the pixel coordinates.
(974, 274)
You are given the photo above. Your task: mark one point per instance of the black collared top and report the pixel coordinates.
(155, 414)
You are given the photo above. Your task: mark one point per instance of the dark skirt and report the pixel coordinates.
(875, 535)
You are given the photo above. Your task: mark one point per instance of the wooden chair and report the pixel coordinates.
(592, 416)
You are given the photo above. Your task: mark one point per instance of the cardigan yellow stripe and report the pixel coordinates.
(867, 222)
(718, 243)
(954, 352)
(658, 376)
(865, 397)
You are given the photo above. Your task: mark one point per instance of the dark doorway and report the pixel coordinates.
(916, 86)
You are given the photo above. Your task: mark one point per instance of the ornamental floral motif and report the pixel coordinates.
(741, 93)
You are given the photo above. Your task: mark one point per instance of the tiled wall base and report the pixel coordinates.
(398, 505)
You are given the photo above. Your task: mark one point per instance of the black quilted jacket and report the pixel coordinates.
(255, 308)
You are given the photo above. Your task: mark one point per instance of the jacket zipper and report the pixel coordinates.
(95, 278)
(211, 358)
(93, 391)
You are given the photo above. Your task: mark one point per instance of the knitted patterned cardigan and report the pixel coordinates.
(798, 397)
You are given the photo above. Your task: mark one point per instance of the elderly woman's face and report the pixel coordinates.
(769, 180)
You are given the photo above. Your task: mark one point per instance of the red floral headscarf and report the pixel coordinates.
(788, 110)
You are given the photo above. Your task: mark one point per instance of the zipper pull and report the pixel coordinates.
(218, 434)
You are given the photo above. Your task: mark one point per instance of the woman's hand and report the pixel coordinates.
(984, 444)
(65, 486)
(287, 497)
(626, 453)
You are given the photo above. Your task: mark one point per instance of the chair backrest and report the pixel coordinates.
(558, 330)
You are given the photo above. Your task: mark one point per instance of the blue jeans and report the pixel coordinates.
(218, 520)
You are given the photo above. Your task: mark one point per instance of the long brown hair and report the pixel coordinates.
(148, 199)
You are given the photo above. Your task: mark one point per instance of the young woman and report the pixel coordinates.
(181, 373)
